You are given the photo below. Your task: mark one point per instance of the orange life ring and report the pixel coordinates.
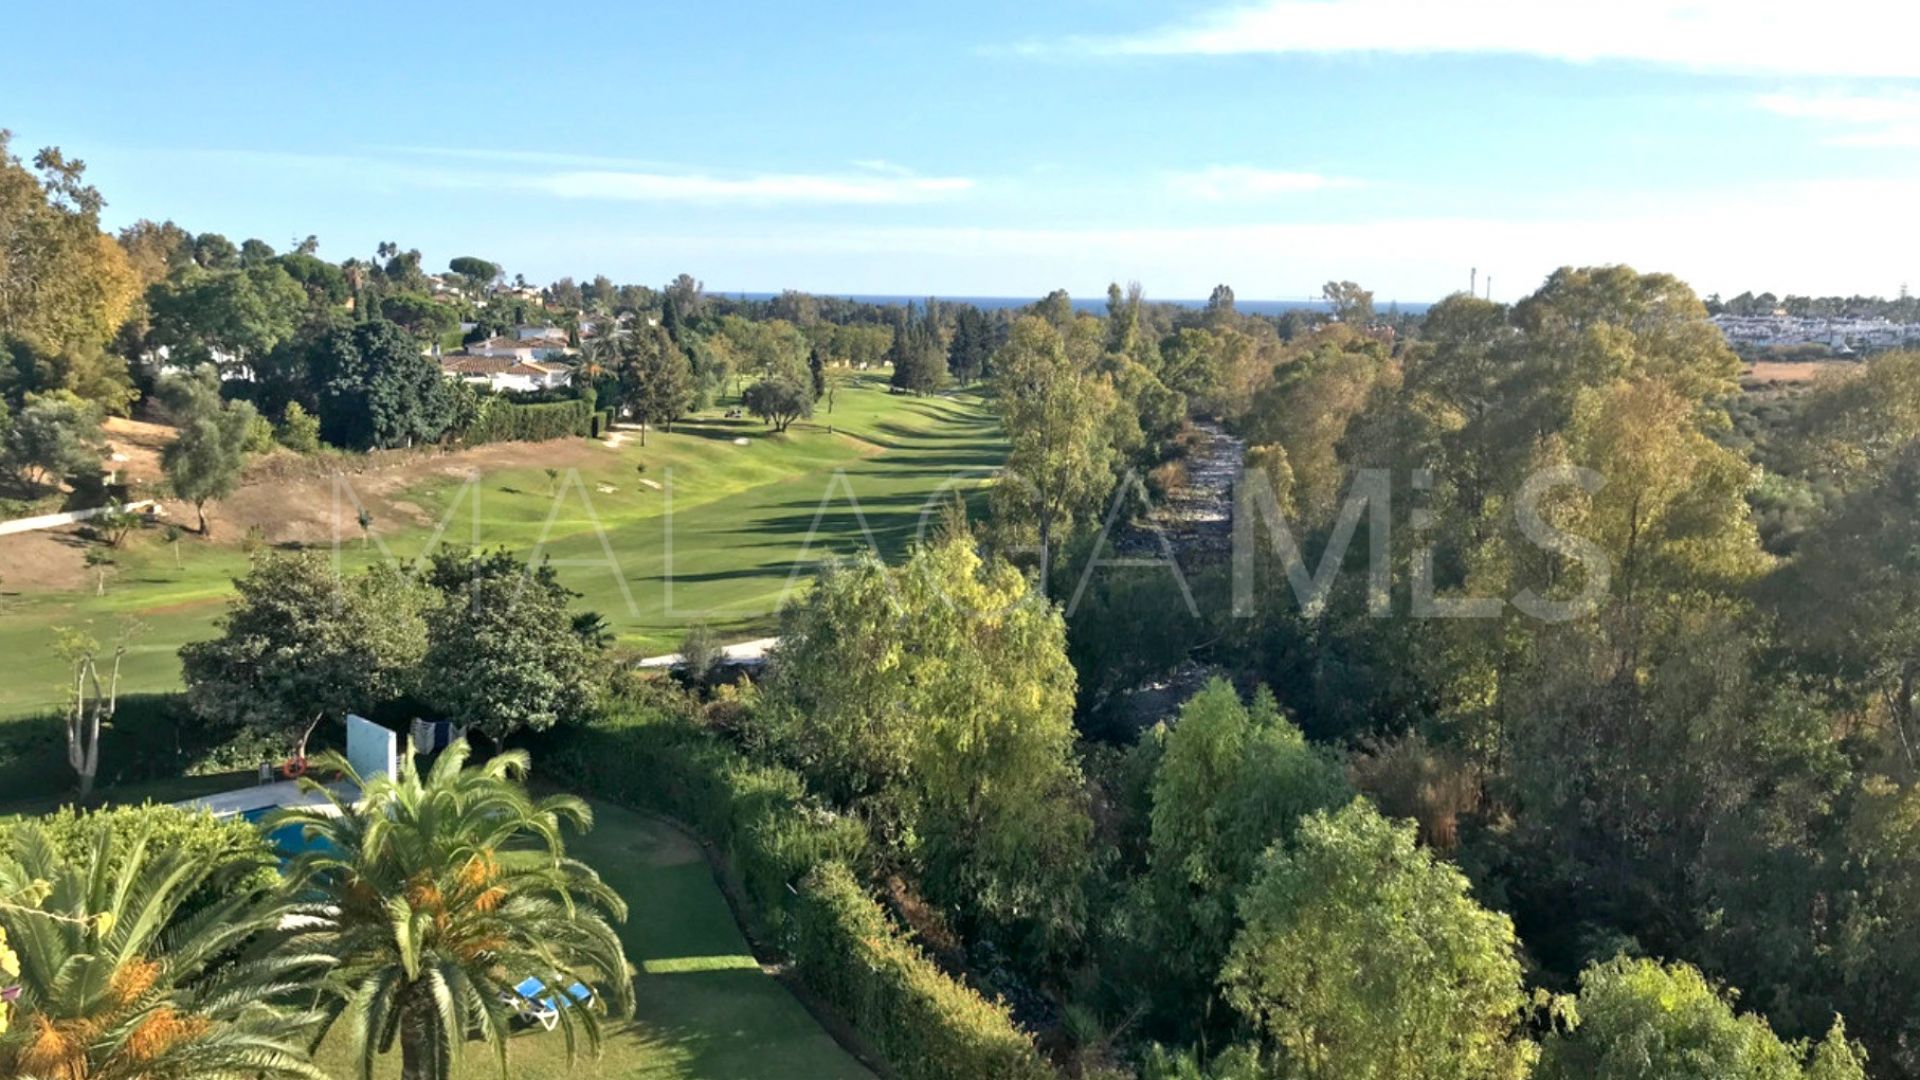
(294, 768)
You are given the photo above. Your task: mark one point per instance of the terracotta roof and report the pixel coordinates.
(496, 365)
(476, 365)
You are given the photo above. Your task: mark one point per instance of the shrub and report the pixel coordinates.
(793, 861)
(925, 1024)
(499, 420)
(700, 654)
(299, 430)
(238, 852)
(758, 816)
(259, 435)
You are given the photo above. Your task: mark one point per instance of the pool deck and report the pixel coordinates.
(243, 802)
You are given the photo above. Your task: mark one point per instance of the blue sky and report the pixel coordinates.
(998, 148)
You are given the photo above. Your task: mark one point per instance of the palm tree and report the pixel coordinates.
(118, 980)
(438, 894)
(599, 355)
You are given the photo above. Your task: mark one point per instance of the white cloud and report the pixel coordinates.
(1861, 38)
(880, 165)
(570, 176)
(1229, 183)
(1888, 117)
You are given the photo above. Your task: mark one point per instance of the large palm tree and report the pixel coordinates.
(438, 894)
(119, 981)
(598, 356)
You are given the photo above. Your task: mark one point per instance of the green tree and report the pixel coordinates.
(1231, 781)
(1638, 1019)
(9, 971)
(299, 644)
(91, 372)
(204, 463)
(655, 379)
(480, 273)
(1855, 423)
(1365, 958)
(969, 352)
(1056, 410)
(779, 401)
(938, 697)
(376, 389)
(325, 283)
(1310, 406)
(102, 562)
(61, 281)
(212, 251)
(55, 435)
(91, 701)
(502, 654)
(1190, 362)
(230, 317)
(1349, 303)
(421, 316)
(299, 429)
(436, 895)
(817, 371)
(121, 980)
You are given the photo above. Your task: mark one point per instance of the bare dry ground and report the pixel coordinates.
(139, 443)
(290, 497)
(1765, 372)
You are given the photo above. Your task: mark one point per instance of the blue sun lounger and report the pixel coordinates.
(535, 1002)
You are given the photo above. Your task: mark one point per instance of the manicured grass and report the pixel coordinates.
(730, 533)
(703, 1006)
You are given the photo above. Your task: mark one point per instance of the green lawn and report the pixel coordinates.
(703, 1007)
(729, 534)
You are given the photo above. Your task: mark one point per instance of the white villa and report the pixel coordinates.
(502, 373)
(522, 348)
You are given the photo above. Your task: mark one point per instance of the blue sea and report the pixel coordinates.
(1093, 305)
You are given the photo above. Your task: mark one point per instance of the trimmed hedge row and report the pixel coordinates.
(792, 858)
(924, 1023)
(758, 816)
(504, 421)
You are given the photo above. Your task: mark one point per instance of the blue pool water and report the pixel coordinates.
(287, 839)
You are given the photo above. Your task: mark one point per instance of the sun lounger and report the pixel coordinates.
(535, 1002)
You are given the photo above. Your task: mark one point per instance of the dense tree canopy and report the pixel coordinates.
(301, 645)
(376, 389)
(937, 698)
(1365, 958)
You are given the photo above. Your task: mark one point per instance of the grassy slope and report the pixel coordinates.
(742, 530)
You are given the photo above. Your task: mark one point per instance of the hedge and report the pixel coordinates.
(924, 1023)
(602, 423)
(504, 421)
(793, 860)
(151, 737)
(758, 816)
(238, 852)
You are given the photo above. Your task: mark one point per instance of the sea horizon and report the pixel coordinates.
(1087, 304)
